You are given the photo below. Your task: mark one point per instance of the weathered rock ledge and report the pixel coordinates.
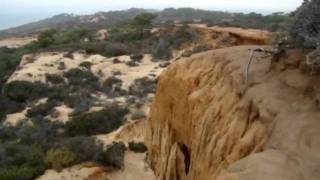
(203, 126)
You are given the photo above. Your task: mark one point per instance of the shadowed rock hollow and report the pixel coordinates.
(203, 125)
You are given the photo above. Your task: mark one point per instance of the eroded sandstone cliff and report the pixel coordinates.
(204, 125)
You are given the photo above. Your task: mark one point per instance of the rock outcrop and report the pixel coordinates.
(204, 125)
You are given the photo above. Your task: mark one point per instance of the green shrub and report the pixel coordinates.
(72, 36)
(59, 92)
(108, 86)
(116, 61)
(80, 101)
(9, 60)
(59, 158)
(113, 157)
(68, 55)
(22, 91)
(8, 106)
(136, 57)
(162, 49)
(83, 79)
(62, 66)
(99, 122)
(108, 49)
(85, 148)
(132, 64)
(115, 49)
(17, 172)
(137, 147)
(124, 35)
(183, 35)
(86, 65)
(143, 21)
(141, 87)
(42, 109)
(46, 38)
(23, 162)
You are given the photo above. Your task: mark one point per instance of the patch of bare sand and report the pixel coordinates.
(103, 67)
(128, 74)
(133, 131)
(135, 168)
(77, 172)
(16, 42)
(61, 113)
(14, 119)
(44, 63)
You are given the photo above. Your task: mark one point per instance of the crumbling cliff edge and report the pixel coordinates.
(202, 124)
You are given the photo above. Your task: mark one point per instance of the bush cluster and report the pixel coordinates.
(83, 78)
(137, 147)
(59, 158)
(113, 157)
(99, 122)
(42, 109)
(22, 91)
(141, 87)
(54, 78)
(112, 86)
(21, 162)
(86, 65)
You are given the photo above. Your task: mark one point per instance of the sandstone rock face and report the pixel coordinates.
(203, 125)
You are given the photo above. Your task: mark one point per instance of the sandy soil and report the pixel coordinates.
(16, 42)
(38, 65)
(135, 168)
(103, 67)
(77, 172)
(34, 68)
(14, 119)
(128, 74)
(63, 113)
(134, 131)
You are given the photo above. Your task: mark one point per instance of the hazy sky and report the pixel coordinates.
(17, 12)
(88, 6)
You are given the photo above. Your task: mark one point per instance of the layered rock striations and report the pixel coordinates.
(205, 124)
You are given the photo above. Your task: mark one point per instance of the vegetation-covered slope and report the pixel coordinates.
(166, 16)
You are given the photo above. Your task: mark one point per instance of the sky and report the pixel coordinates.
(15, 12)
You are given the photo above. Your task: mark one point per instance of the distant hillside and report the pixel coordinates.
(112, 18)
(65, 21)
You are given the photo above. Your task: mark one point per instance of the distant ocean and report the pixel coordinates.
(13, 20)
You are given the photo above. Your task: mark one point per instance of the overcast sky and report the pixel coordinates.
(88, 6)
(17, 12)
